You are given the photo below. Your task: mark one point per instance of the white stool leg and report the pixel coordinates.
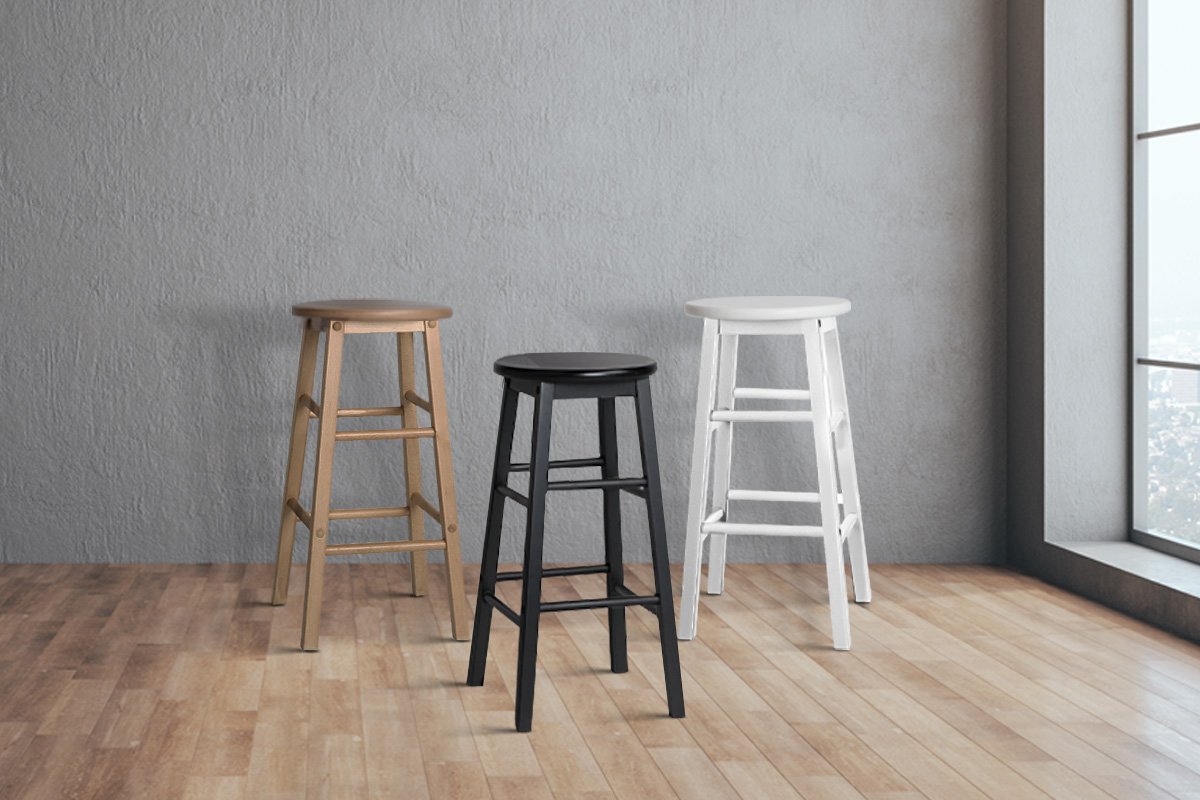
(698, 494)
(835, 569)
(847, 471)
(722, 459)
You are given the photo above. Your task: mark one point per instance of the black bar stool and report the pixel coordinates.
(548, 377)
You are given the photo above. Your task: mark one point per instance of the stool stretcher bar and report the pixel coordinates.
(601, 602)
(420, 501)
(770, 394)
(393, 433)
(513, 494)
(346, 513)
(761, 416)
(567, 463)
(418, 401)
(363, 548)
(601, 483)
(503, 608)
(555, 572)
(776, 497)
(376, 411)
(294, 506)
(760, 529)
(368, 513)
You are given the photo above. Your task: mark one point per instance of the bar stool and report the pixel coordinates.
(814, 318)
(337, 319)
(549, 377)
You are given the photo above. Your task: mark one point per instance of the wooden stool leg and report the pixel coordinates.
(658, 550)
(322, 483)
(847, 471)
(491, 537)
(295, 462)
(531, 591)
(613, 556)
(835, 568)
(445, 480)
(412, 461)
(698, 493)
(722, 460)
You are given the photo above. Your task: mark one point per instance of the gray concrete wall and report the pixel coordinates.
(565, 175)
(1087, 358)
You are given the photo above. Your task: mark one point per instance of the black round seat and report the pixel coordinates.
(568, 367)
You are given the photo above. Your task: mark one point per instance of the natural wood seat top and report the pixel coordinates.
(371, 310)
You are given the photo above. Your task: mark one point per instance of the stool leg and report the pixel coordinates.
(835, 568)
(295, 462)
(722, 460)
(847, 471)
(658, 549)
(322, 483)
(613, 556)
(445, 480)
(412, 460)
(531, 591)
(491, 537)
(698, 492)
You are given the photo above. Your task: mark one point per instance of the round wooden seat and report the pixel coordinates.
(568, 367)
(371, 310)
(767, 308)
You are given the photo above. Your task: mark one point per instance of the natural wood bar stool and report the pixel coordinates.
(337, 319)
(814, 318)
(548, 378)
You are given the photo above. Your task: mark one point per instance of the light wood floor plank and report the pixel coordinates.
(183, 681)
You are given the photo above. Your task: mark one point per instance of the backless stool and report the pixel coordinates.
(336, 319)
(549, 377)
(814, 318)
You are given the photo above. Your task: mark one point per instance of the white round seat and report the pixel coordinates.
(767, 308)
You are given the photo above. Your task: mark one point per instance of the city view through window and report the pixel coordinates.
(1170, 309)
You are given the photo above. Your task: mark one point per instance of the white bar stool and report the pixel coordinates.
(814, 318)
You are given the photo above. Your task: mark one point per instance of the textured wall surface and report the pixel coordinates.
(565, 175)
(1087, 358)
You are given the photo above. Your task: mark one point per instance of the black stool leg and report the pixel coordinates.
(491, 537)
(658, 549)
(613, 556)
(531, 592)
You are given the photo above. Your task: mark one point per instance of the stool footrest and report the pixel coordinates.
(555, 572)
(368, 513)
(420, 502)
(759, 529)
(761, 416)
(599, 483)
(602, 602)
(294, 506)
(364, 548)
(376, 411)
(777, 497)
(420, 402)
(314, 410)
(503, 608)
(771, 394)
(566, 463)
(513, 494)
(847, 525)
(392, 433)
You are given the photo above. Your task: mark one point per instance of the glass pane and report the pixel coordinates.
(1173, 246)
(1173, 455)
(1173, 62)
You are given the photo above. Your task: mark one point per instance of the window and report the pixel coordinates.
(1166, 275)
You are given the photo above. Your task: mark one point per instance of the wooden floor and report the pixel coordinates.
(964, 682)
